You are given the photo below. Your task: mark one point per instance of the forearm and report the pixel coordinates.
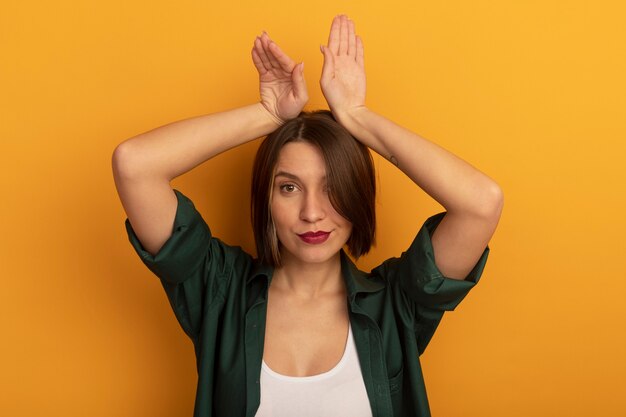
(171, 150)
(452, 182)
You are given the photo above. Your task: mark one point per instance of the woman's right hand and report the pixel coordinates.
(283, 89)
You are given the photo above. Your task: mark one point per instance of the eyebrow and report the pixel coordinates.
(291, 176)
(286, 174)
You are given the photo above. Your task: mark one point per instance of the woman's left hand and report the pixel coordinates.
(343, 73)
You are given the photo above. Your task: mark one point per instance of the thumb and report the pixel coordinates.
(297, 78)
(328, 67)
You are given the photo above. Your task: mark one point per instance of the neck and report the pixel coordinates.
(308, 280)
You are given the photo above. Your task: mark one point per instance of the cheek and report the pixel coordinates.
(339, 219)
(280, 214)
(348, 228)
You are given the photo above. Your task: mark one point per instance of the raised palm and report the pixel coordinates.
(343, 75)
(282, 86)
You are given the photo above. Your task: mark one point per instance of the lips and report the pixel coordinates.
(314, 238)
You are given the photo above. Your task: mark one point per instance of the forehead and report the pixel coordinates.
(301, 159)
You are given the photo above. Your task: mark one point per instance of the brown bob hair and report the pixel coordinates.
(349, 173)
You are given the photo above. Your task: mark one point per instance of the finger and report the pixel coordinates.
(258, 47)
(343, 36)
(333, 37)
(258, 63)
(266, 41)
(351, 38)
(299, 84)
(328, 69)
(359, 51)
(282, 58)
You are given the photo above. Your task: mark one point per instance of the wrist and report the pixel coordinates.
(273, 120)
(352, 118)
(364, 125)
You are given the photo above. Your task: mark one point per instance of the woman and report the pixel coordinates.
(300, 331)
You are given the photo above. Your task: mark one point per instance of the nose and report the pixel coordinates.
(314, 206)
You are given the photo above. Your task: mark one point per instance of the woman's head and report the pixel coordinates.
(348, 173)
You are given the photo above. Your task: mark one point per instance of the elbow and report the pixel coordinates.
(129, 162)
(121, 161)
(493, 202)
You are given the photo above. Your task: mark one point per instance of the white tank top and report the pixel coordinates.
(339, 392)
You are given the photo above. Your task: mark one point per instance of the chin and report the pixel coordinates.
(312, 255)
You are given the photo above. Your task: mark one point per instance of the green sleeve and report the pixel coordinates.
(417, 278)
(190, 265)
(184, 251)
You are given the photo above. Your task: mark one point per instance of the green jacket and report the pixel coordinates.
(219, 296)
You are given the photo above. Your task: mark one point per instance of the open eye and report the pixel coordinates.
(288, 188)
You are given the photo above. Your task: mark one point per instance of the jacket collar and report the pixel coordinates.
(356, 280)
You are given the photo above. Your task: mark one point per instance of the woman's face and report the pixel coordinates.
(308, 227)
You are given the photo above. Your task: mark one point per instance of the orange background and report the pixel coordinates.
(531, 93)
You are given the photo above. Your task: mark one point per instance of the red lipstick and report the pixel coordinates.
(314, 238)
